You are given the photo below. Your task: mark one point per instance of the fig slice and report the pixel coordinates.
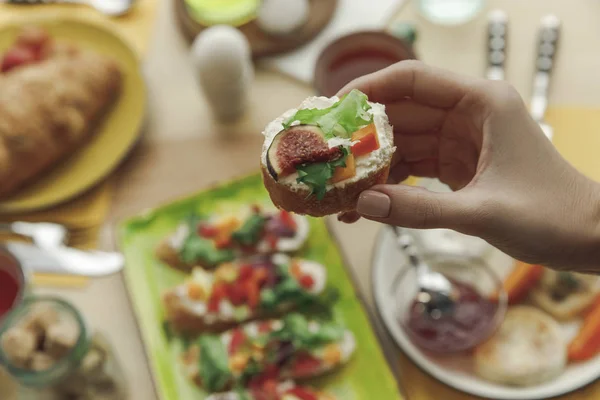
(297, 145)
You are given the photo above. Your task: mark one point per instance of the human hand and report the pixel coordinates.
(511, 187)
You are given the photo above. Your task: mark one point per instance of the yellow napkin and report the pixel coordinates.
(577, 137)
(85, 214)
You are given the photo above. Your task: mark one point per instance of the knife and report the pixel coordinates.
(547, 41)
(65, 260)
(496, 44)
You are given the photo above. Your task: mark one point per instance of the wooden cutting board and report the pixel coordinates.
(321, 12)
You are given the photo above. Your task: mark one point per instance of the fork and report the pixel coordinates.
(547, 41)
(497, 33)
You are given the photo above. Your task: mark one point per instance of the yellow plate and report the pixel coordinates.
(114, 137)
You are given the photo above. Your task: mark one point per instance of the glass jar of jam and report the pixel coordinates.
(479, 304)
(13, 283)
(46, 346)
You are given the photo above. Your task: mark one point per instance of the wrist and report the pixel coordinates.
(590, 253)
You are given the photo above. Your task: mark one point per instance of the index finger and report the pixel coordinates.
(413, 79)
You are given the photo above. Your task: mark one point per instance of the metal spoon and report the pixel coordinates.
(113, 8)
(436, 293)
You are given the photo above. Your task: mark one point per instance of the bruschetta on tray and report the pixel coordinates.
(273, 390)
(294, 347)
(207, 241)
(241, 291)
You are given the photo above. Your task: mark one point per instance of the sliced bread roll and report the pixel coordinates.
(565, 295)
(528, 349)
(317, 159)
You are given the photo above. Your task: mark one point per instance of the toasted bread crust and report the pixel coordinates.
(185, 322)
(338, 199)
(167, 254)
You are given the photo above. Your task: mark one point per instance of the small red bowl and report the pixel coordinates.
(355, 55)
(13, 283)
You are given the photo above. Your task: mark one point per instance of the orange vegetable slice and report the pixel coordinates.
(347, 172)
(521, 279)
(365, 140)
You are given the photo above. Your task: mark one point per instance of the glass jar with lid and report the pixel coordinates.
(46, 346)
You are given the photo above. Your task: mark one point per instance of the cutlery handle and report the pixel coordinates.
(407, 244)
(496, 44)
(544, 63)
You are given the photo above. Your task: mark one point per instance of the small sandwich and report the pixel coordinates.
(317, 159)
(565, 295)
(272, 390)
(241, 291)
(208, 241)
(292, 348)
(528, 349)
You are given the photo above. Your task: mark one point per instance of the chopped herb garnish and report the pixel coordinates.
(341, 119)
(214, 364)
(296, 330)
(197, 248)
(250, 232)
(317, 175)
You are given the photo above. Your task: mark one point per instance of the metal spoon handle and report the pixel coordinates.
(407, 244)
(496, 43)
(546, 50)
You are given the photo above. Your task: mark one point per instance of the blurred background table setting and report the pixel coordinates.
(195, 83)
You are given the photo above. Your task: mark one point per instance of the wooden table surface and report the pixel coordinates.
(184, 149)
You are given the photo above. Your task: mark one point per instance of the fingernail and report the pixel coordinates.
(374, 204)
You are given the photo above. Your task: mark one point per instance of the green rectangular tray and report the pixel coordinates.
(366, 376)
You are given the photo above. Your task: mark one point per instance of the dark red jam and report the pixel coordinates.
(470, 321)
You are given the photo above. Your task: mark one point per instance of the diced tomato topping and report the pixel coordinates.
(219, 292)
(16, 57)
(347, 172)
(252, 293)
(302, 393)
(306, 281)
(264, 327)
(305, 365)
(287, 219)
(223, 242)
(255, 208)
(36, 39)
(365, 140)
(238, 337)
(246, 272)
(213, 304)
(207, 231)
(236, 294)
(260, 276)
(272, 241)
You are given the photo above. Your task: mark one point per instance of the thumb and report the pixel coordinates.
(414, 207)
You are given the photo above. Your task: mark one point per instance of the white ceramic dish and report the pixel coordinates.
(456, 370)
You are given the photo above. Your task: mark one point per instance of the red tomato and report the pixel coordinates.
(16, 57)
(236, 293)
(264, 327)
(260, 276)
(307, 281)
(246, 272)
(223, 243)
(207, 231)
(238, 337)
(287, 219)
(219, 292)
(272, 241)
(305, 366)
(252, 293)
(303, 394)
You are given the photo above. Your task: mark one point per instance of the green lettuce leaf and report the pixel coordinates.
(196, 248)
(214, 364)
(341, 119)
(250, 232)
(296, 330)
(317, 175)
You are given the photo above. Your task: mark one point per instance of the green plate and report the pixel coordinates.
(228, 12)
(366, 376)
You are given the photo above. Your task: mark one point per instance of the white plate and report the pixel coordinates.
(456, 370)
